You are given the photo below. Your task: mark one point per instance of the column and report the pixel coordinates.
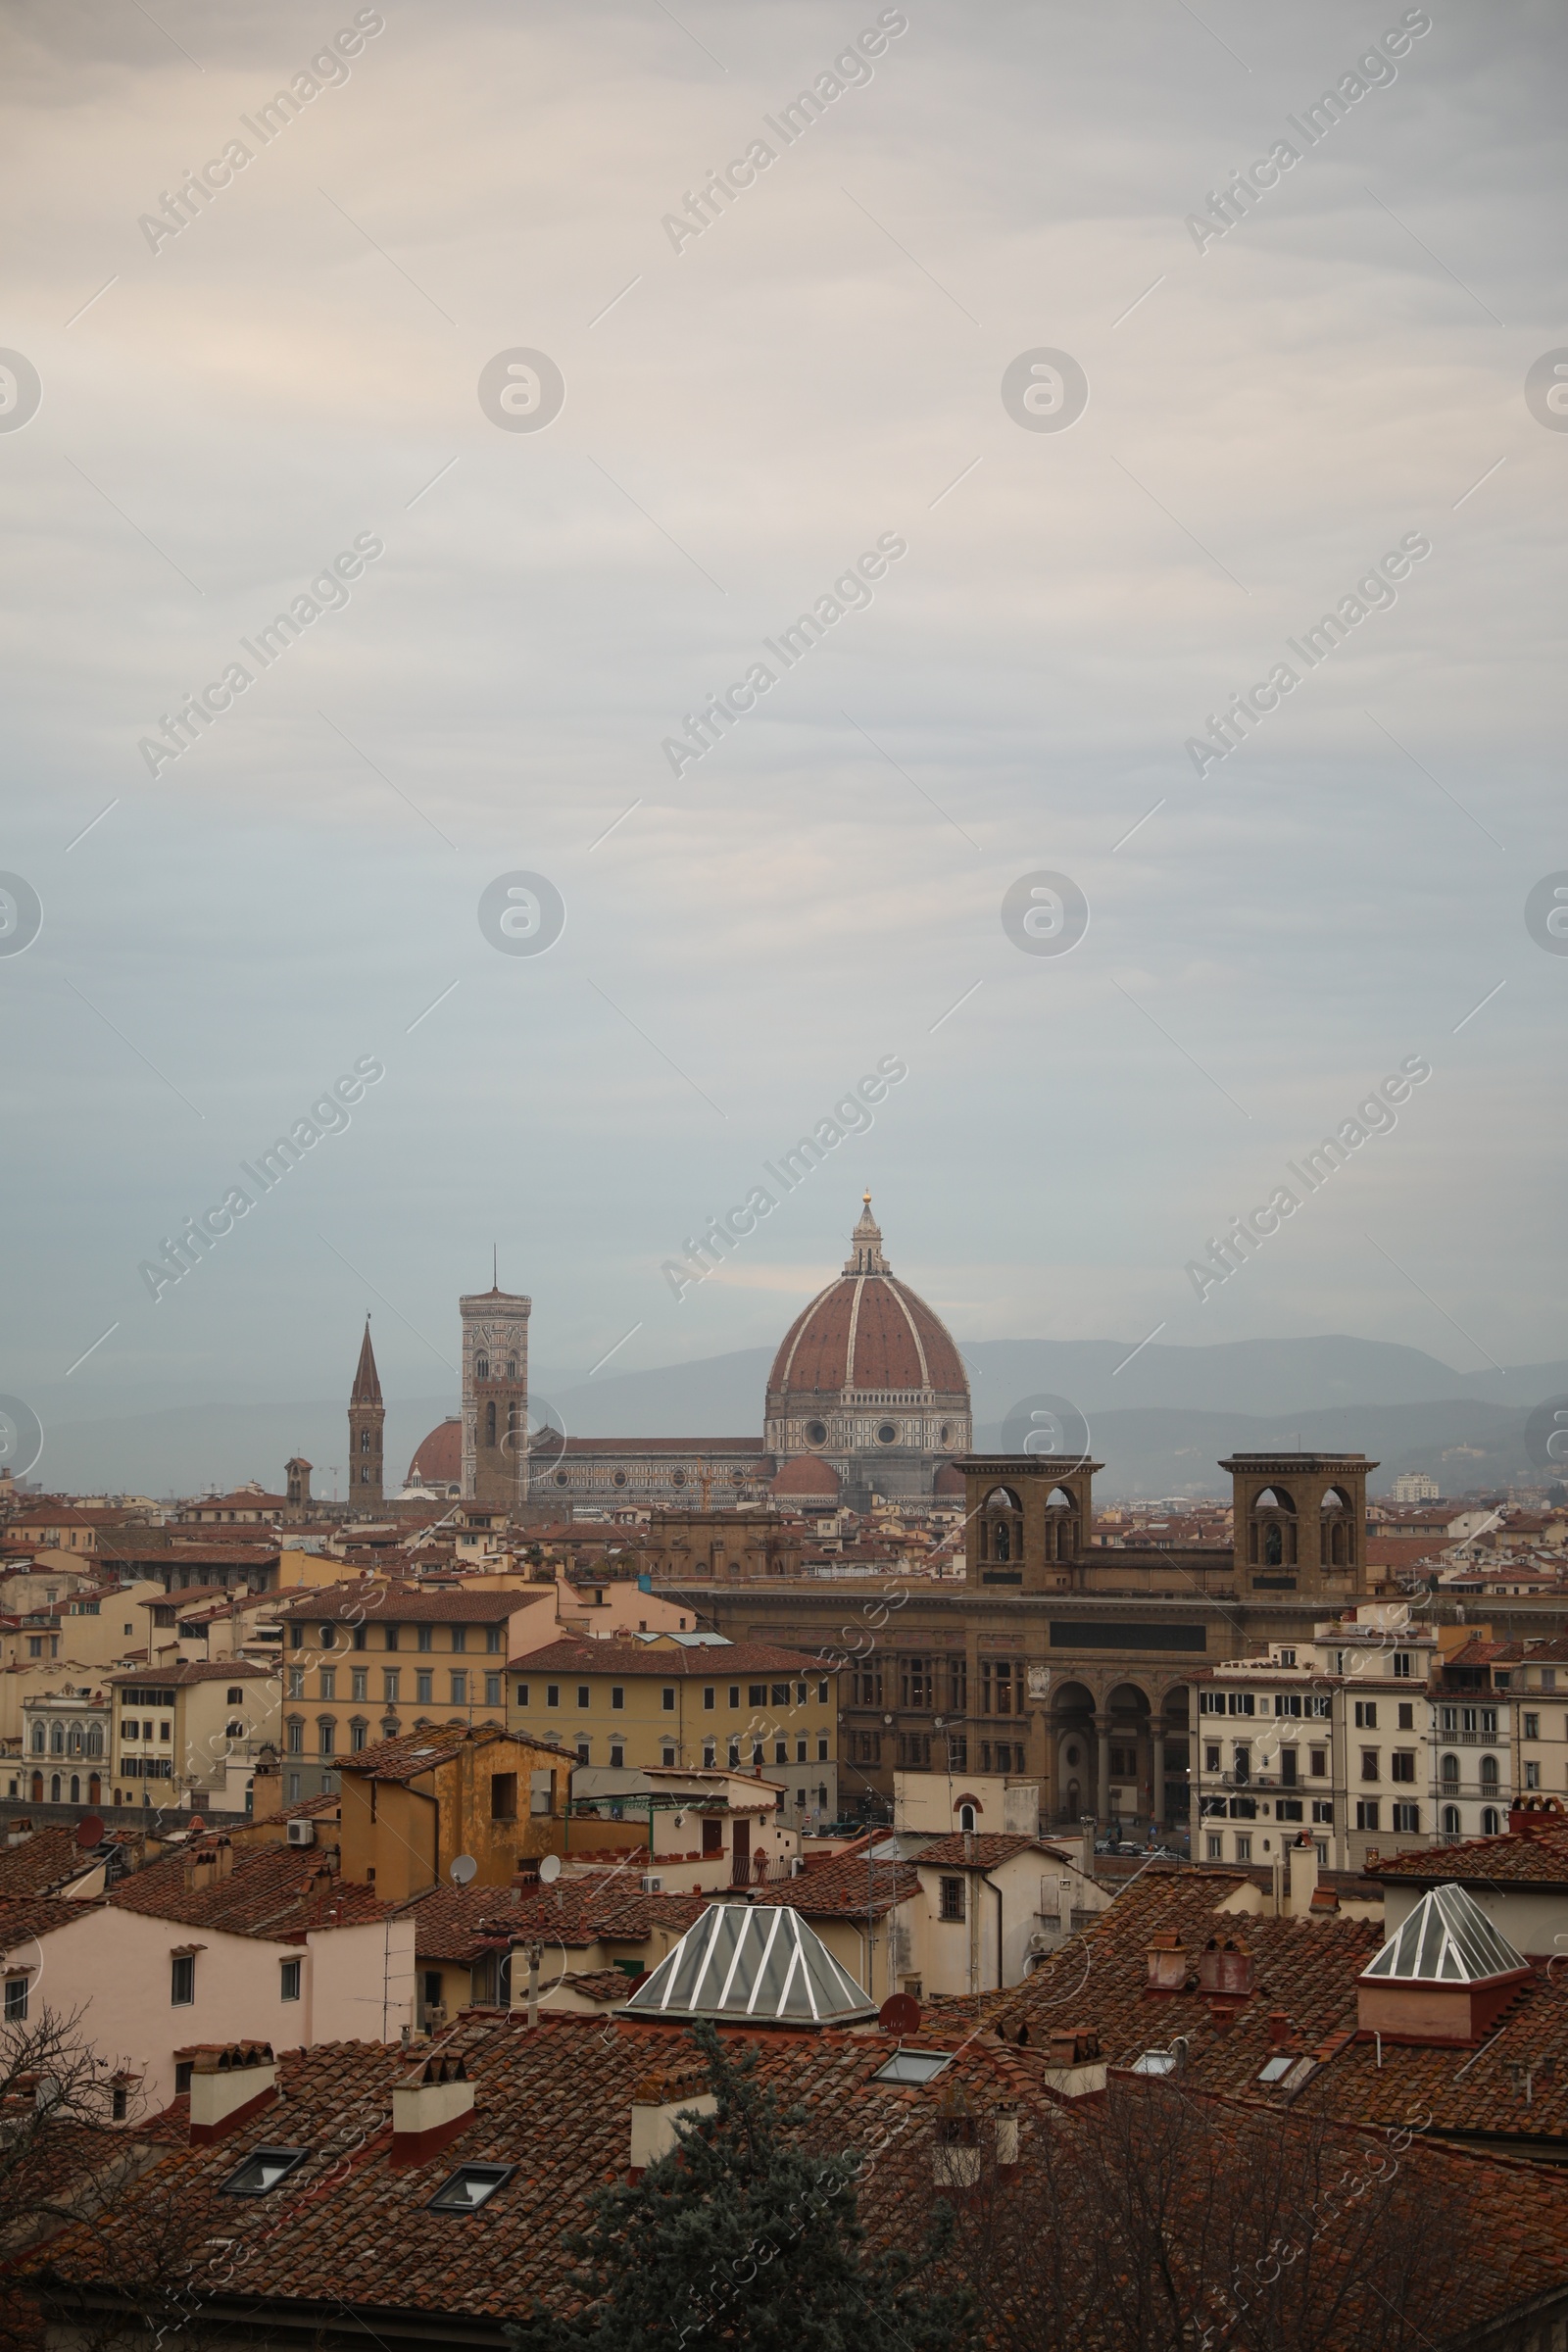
(1157, 1740)
(1102, 1776)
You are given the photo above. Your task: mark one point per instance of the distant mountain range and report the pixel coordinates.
(1159, 1419)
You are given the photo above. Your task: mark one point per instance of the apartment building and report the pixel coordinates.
(190, 1735)
(684, 1700)
(1347, 1737)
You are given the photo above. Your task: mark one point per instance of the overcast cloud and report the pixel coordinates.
(821, 367)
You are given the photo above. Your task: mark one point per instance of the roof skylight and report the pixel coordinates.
(1447, 1939)
(913, 2065)
(470, 2187)
(262, 2170)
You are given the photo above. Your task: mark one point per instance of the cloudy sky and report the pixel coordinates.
(314, 360)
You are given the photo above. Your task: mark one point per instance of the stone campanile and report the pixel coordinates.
(494, 1398)
(366, 1416)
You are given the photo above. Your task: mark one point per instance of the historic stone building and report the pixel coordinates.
(867, 1396)
(867, 1381)
(367, 1419)
(1057, 1660)
(495, 1396)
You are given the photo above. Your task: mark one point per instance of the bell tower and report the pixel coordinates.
(495, 1396)
(367, 1414)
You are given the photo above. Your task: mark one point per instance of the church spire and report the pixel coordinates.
(366, 1389)
(865, 1245)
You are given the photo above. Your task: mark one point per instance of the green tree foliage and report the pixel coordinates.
(744, 2236)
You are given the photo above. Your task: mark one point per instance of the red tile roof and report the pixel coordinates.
(200, 1669)
(980, 1850)
(404, 1603)
(848, 1888)
(1534, 1858)
(277, 1892)
(418, 1751)
(49, 1858)
(867, 1331)
(458, 1923)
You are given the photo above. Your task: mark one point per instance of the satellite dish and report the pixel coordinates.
(463, 1869)
(899, 2013)
(90, 1830)
(549, 1869)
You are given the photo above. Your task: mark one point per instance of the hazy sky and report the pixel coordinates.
(748, 412)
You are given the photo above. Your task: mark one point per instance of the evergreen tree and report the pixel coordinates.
(741, 2236)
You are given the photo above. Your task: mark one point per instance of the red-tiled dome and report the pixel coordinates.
(808, 1474)
(867, 1331)
(950, 1482)
(439, 1459)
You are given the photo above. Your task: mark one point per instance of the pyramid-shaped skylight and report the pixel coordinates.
(1447, 1939)
(751, 1964)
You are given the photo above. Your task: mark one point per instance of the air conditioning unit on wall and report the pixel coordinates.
(651, 1885)
(301, 1832)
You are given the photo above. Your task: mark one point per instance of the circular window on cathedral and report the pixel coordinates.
(678, 1478)
(560, 1478)
(619, 1479)
(885, 1433)
(945, 1433)
(817, 1433)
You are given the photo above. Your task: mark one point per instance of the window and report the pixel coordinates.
(1403, 1665)
(328, 1636)
(1323, 1810)
(781, 1751)
(757, 1756)
(709, 1757)
(262, 2170)
(1407, 1715)
(780, 1694)
(1532, 1727)
(1289, 1766)
(296, 1682)
(289, 1981)
(1366, 1813)
(326, 1734)
(709, 1695)
(1401, 1764)
(1366, 1714)
(552, 1695)
(504, 1797)
(667, 1756)
(1548, 1677)
(734, 1752)
(1532, 1775)
(1212, 1760)
(424, 1638)
(424, 1690)
(997, 1687)
(460, 1687)
(756, 1695)
(460, 1637)
(361, 1637)
(182, 1979)
(296, 1735)
(734, 1694)
(1450, 1820)
(618, 1756)
(16, 1999)
(329, 1681)
(956, 1762)
(1370, 1768)
(1317, 1763)
(296, 1637)
(1491, 1821)
(1244, 1761)
(1243, 1846)
(236, 1697)
(1449, 1771)
(1407, 1818)
(866, 1687)
(389, 1686)
(821, 1688)
(667, 1699)
(1215, 1847)
(950, 1900)
(492, 1690)
(359, 1734)
(470, 2188)
(1489, 1774)
(359, 1682)
(389, 1636)
(917, 1685)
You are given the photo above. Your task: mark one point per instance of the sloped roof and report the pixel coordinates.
(752, 1965)
(1447, 1939)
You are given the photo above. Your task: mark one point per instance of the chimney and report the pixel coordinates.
(1301, 1860)
(229, 2082)
(429, 2107)
(1226, 1967)
(658, 2100)
(208, 1866)
(1007, 2115)
(1279, 2029)
(955, 2150)
(1074, 2068)
(1166, 1961)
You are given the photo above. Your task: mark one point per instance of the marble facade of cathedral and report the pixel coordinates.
(867, 1397)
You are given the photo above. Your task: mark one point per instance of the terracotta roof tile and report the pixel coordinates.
(704, 1664)
(277, 1892)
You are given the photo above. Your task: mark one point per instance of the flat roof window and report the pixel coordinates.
(1277, 2068)
(262, 2170)
(913, 2065)
(470, 2188)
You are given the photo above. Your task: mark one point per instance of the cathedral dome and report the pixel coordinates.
(867, 1331)
(869, 1378)
(438, 1462)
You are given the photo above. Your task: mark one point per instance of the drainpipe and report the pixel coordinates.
(990, 1882)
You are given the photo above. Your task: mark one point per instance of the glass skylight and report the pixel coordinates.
(1156, 2062)
(1277, 2068)
(470, 2188)
(913, 2065)
(262, 2170)
(752, 1963)
(1447, 1939)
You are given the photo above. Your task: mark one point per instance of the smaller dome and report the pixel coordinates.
(949, 1480)
(438, 1462)
(808, 1474)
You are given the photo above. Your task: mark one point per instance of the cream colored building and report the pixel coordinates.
(189, 1735)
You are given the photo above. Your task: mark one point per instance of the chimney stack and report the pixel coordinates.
(230, 2082)
(429, 2107)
